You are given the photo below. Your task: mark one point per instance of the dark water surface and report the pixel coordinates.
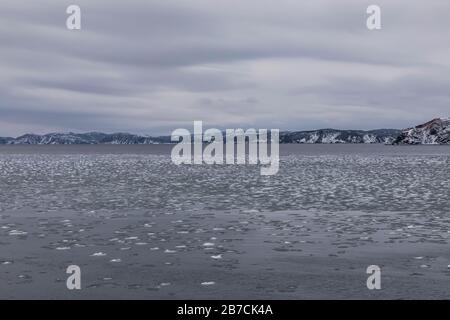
(141, 227)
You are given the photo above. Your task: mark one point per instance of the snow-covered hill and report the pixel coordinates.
(84, 138)
(386, 136)
(436, 131)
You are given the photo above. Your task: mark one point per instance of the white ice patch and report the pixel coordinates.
(98, 254)
(208, 244)
(17, 233)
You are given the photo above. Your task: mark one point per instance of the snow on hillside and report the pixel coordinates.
(340, 136)
(436, 131)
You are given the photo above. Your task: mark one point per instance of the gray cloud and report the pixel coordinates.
(153, 66)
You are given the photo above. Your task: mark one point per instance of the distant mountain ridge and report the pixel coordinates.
(436, 131)
(386, 136)
(311, 137)
(85, 138)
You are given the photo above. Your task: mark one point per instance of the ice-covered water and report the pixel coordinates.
(141, 227)
(368, 178)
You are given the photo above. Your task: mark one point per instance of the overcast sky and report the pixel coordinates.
(152, 66)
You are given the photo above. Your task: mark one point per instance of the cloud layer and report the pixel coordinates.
(153, 66)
